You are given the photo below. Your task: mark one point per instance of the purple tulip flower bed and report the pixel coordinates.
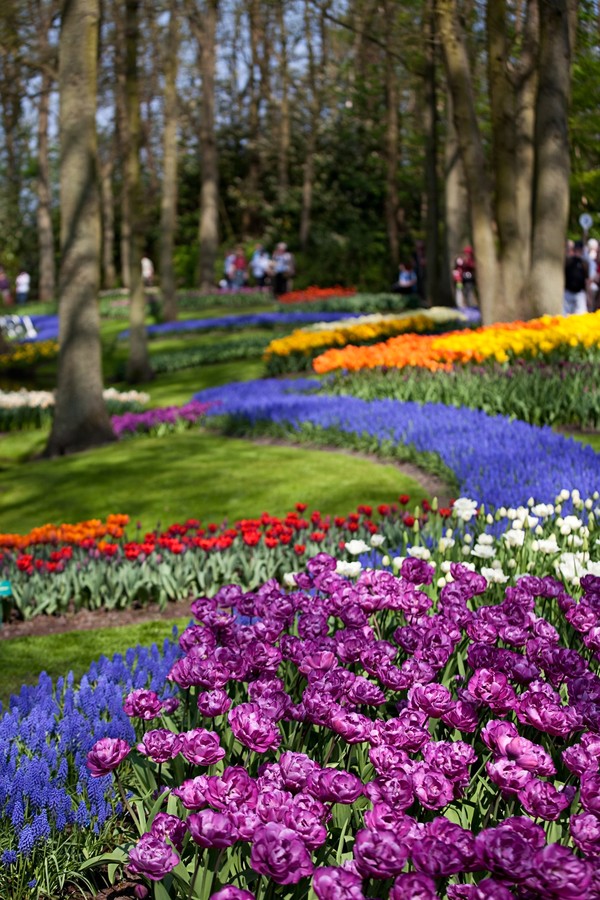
(247, 320)
(160, 420)
(378, 737)
(496, 461)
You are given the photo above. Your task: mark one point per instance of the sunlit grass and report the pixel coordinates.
(22, 659)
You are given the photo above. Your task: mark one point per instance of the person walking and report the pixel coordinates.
(576, 282)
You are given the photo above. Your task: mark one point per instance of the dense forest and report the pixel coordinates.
(352, 129)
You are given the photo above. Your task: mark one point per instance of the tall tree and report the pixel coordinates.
(552, 166)
(81, 419)
(168, 204)
(204, 26)
(138, 363)
(47, 279)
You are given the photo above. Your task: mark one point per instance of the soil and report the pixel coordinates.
(87, 620)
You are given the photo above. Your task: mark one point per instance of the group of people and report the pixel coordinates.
(263, 271)
(22, 287)
(582, 278)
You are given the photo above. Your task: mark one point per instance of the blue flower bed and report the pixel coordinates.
(497, 461)
(254, 320)
(46, 327)
(45, 736)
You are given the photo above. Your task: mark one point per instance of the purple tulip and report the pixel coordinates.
(413, 886)
(209, 828)
(433, 699)
(432, 789)
(201, 747)
(143, 704)
(192, 792)
(160, 745)
(253, 728)
(279, 853)
(331, 883)
(106, 755)
(542, 800)
(493, 689)
(229, 790)
(379, 854)
(590, 793)
(508, 776)
(214, 703)
(296, 768)
(585, 831)
(165, 826)
(230, 892)
(504, 853)
(335, 786)
(152, 858)
(557, 873)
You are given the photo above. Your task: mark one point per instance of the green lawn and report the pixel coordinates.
(195, 474)
(22, 659)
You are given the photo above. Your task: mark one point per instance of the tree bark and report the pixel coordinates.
(552, 163)
(391, 139)
(138, 364)
(123, 149)
(47, 282)
(430, 121)
(205, 30)
(284, 108)
(168, 207)
(81, 419)
(107, 201)
(456, 201)
(456, 63)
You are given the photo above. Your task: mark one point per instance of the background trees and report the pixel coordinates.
(349, 128)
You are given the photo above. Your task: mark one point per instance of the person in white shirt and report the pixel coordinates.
(22, 286)
(147, 271)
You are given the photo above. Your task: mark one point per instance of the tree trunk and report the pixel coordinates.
(81, 419)
(107, 200)
(123, 150)
(391, 139)
(250, 213)
(456, 63)
(205, 30)
(456, 217)
(47, 283)
(284, 108)
(138, 364)
(168, 207)
(432, 230)
(552, 164)
(503, 113)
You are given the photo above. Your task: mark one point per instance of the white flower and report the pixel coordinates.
(357, 546)
(289, 579)
(377, 540)
(542, 510)
(564, 494)
(441, 582)
(419, 552)
(445, 543)
(445, 566)
(572, 566)
(549, 545)
(573, 523)
(514, 538)
(465, 550)
(494, 576)
(348, 569)
(386, 561)
(464, 508)
(485, 538)
(483, 551)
